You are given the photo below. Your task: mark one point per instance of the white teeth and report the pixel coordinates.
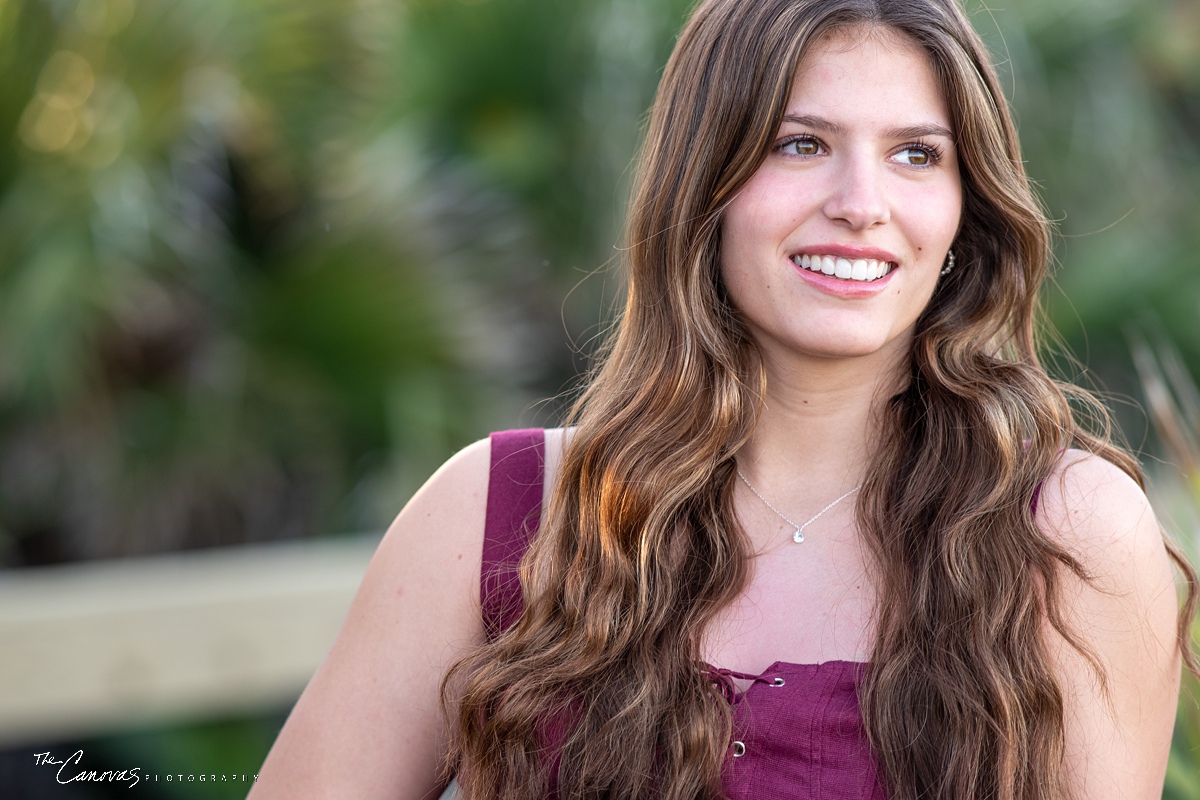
(861, 269)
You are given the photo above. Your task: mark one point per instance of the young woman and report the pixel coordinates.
(822, 526)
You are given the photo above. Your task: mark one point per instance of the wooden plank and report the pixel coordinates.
(96, 646)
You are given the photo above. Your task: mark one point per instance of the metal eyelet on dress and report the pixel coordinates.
(778, 682)
(739, 749)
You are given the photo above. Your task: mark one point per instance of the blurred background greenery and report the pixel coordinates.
(265, 263)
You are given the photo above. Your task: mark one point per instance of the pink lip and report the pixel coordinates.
(839, 287)
(848, 251)
(842, 288)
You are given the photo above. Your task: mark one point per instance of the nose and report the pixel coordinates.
(857, 198)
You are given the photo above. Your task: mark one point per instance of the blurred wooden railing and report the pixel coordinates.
(97, 646)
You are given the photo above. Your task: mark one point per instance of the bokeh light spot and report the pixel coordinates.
(104, 17)
(47, 128)
(66, 81)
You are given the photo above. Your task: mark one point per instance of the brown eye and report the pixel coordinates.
(801, 146)
(807, 147)
(915, 155)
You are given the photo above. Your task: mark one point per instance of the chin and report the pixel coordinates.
(866, 347)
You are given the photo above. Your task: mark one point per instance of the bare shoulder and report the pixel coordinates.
(369, 723)
(1117, 731)
(1101, 516)
(430, 557)
(447, 513)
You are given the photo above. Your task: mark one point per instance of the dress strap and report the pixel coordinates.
(514, 510)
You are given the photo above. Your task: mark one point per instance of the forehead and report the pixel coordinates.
(868, 73)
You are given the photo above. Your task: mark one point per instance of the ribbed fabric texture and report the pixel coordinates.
(514, 511)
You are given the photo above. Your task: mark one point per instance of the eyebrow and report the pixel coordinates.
(908, 132)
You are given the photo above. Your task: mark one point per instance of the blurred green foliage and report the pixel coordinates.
(1108, 102)
(265, 263)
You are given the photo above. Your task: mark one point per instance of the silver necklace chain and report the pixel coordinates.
(798, 536)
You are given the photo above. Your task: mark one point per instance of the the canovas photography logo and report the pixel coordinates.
(73, 770)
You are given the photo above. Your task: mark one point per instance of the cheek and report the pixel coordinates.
(952, 214)
(735, 266)
(732, 273)
(934, 219)
(739, 238)
(949, 205)
(765, 209)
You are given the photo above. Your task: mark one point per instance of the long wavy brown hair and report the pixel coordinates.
(640, 548)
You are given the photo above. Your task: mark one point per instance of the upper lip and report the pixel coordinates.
(847, 251)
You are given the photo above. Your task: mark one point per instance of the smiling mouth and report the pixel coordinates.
(860, 269)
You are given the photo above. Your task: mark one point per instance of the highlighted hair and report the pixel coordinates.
(640, 548)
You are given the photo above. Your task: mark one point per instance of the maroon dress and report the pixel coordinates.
(797, 729)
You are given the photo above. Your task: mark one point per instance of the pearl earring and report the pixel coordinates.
(946, 270)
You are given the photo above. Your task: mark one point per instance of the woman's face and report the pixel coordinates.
(862, 180)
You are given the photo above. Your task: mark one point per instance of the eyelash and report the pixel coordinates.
(794, 140)
(933, 151)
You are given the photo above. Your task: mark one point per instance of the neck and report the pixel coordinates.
(819, 423)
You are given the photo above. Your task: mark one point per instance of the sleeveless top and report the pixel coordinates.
(797, 729)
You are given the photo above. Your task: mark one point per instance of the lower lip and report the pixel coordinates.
(843, 288)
